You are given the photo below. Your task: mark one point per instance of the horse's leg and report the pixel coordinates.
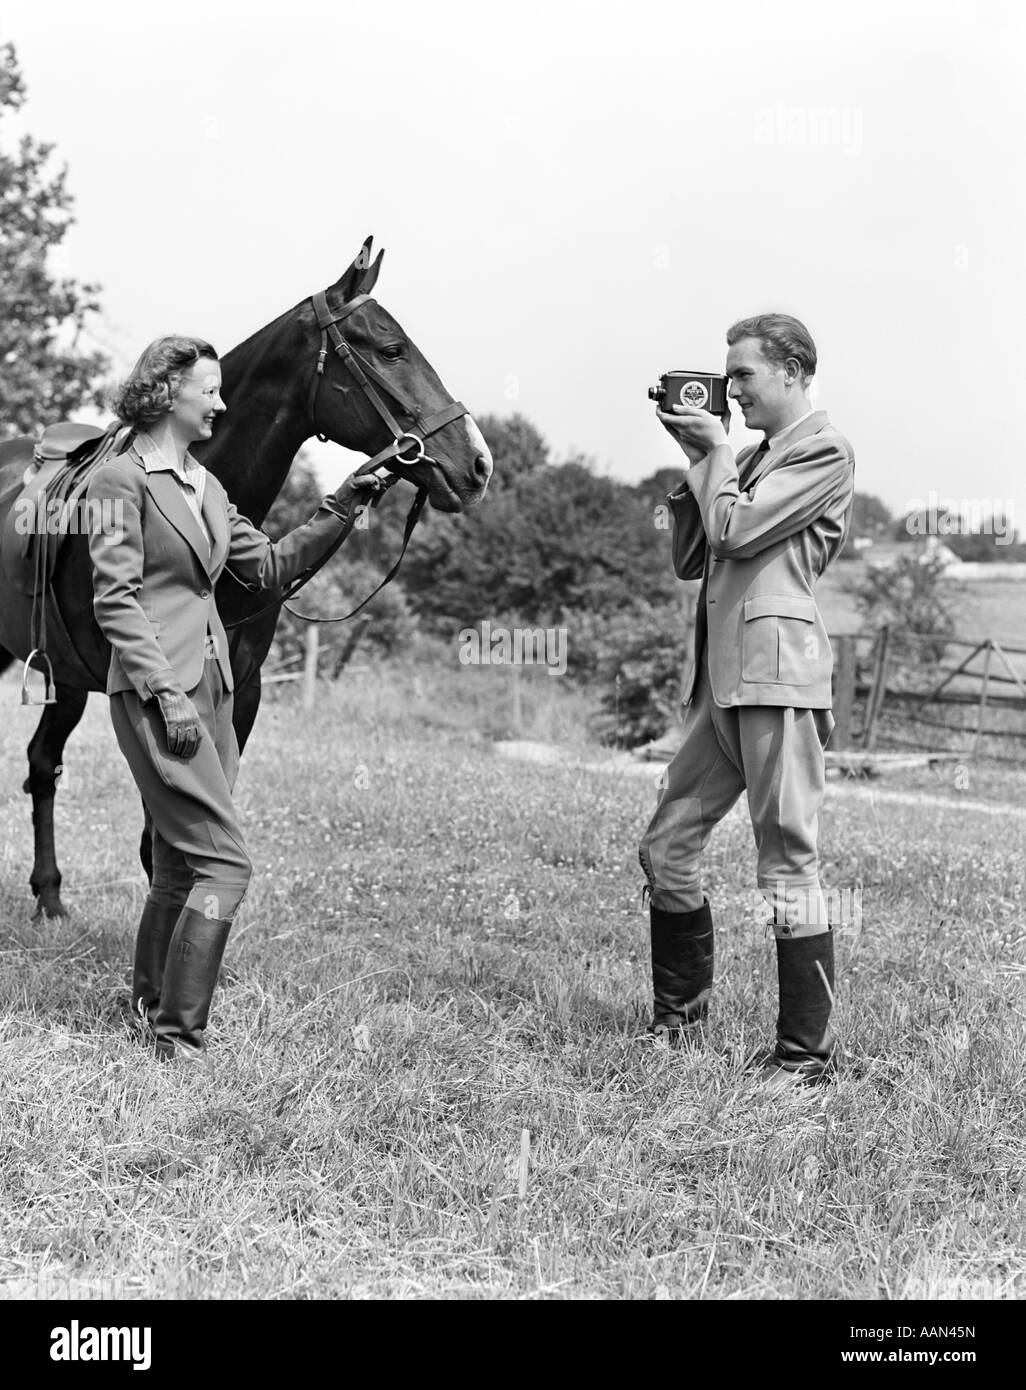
(45, 754)
(146, 843)
(244, 711)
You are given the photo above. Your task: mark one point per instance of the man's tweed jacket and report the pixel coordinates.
(759, 554)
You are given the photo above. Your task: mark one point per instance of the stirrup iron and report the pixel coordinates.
(49, 689)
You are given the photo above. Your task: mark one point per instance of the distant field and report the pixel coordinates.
(444, 949)
(986, 608)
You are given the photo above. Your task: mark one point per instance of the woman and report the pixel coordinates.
(170, 681)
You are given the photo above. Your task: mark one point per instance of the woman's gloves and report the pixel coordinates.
(180, 716)
(181, 722)
(358, 490)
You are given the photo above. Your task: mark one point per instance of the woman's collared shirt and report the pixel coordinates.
(192, 476)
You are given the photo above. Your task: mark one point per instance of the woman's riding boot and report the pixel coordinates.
(190, 974)
(155, 930)
(805, 1043)
(682, 971)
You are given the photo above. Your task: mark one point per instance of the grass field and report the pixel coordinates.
(426, 1077)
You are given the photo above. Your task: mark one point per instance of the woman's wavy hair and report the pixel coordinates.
(149, 389)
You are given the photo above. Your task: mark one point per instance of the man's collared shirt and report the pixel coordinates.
(191, 475)
(776, 438)
(760, 453)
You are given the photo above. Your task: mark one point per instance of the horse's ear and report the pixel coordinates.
(370, 275)
(359, 278)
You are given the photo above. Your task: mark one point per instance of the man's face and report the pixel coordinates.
(757, 385)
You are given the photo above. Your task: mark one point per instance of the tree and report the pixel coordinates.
(44, 375)
(870, 520)
(909, 594)
(548, 539)
(345, 580)
(299, 498)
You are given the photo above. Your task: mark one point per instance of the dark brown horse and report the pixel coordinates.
(276, 401)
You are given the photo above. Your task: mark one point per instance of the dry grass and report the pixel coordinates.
(442, 950)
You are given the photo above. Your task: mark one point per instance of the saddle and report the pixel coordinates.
(49, 506)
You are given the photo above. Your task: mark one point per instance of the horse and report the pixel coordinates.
(375, 393)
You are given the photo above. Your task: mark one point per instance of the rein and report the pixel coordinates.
(393, 457)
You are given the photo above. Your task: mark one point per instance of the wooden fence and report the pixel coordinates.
(960, 685)
(310, 658)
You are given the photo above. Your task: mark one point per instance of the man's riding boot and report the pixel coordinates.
(190, 974)
(682, 971)
(805, 1043)
(155, 930)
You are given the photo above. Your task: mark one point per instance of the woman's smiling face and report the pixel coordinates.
(198, 402)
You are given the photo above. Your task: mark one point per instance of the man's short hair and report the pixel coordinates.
(780, 337)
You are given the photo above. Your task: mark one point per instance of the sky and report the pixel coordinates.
(573, 198)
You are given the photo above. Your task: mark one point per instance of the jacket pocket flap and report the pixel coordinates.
(780, 606)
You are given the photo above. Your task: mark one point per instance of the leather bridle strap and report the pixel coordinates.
(423, 428)
(368, 378)
(408, 445)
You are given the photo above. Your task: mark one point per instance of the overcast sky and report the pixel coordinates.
(573, 198)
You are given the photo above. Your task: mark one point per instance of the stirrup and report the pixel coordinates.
(49, 689)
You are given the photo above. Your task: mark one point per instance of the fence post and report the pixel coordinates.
(350, 646)
(515, 678)
(844, 693)
(310, 666)
(982, 716)
(878, 689)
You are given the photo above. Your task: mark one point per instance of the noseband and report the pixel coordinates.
(367, 376)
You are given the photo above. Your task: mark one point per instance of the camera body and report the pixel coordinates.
(707, 390)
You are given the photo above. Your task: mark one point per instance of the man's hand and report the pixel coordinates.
(181, 721)
(695, 430)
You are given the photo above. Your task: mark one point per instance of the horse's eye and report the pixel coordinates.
(393, 352)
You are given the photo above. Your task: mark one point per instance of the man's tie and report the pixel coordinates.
(751, 464)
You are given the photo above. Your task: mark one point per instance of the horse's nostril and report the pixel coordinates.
(483, 467)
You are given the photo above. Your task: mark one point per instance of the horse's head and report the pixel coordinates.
(373, 386)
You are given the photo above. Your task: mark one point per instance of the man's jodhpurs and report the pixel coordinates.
(776, 755)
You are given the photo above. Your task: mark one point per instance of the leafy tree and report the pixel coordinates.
(347, 578)
(993, 544)
(299, 498)
(517, 447)
(44, 376)
(548, 538)
(870, 520)
(910, 594)
(389, 626)
(634, 661)
(658, 485)
(869, 516)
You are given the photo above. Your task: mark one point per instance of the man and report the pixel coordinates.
(759, 532)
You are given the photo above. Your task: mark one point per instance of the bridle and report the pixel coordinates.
(392, 458)
(328, 321)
